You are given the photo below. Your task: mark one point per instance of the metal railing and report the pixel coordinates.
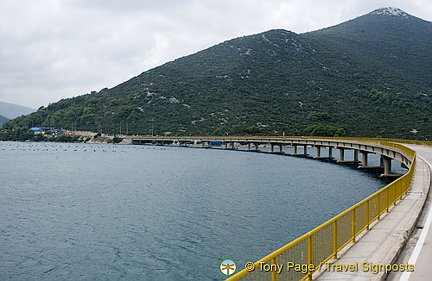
(308, 253)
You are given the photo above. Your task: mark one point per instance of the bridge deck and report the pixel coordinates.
(385, 241)
(419, 248)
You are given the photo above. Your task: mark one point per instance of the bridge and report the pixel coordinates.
(300, 148)
(365, 241)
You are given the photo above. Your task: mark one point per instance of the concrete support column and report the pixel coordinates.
(232, 144)
(280, 148)
(295, 149)
(271, 148)
(249, 146)
(330, 153)
(305, 150)
(364, 158)
(356, 154)
(318, 148)
(387, 165)
(256, 146)
(341, 154)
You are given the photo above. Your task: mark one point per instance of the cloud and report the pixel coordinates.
(52, 49)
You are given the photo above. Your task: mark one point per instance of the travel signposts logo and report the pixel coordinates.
(228, 267)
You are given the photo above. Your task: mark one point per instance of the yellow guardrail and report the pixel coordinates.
(308, 253)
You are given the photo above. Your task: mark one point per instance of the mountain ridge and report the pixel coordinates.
(11, 111)
(390, 11)
(3, 120)
(387, 46)
(334, 81)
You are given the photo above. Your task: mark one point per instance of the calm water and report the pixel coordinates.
(104, 212)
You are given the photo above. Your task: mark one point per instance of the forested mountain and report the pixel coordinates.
(390, 36)
(371, 76)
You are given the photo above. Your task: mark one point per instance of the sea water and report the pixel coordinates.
(118, 212)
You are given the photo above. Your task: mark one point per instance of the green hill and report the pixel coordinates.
(370, 76)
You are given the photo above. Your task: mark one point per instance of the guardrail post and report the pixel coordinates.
(273, 272)
(379, 206)
(335, 239)
(368, 215)
(388, 200)
(353, 221)
(310, 256)
(398, 191)
(395, 193)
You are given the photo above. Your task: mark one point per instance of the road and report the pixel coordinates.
(385, 242)
(418, 250)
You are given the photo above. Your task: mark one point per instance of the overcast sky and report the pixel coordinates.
(54, 49)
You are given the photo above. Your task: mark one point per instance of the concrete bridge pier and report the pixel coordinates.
(341, 155)
(295, 153)
(387, 165)
(272, 145)
(386, 162)
(180, 143)
(319, 155)
(250, 144)
(204, 144)
(230, 143)
(364, 158)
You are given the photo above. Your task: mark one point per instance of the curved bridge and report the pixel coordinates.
(317, 252)
(386, 149)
